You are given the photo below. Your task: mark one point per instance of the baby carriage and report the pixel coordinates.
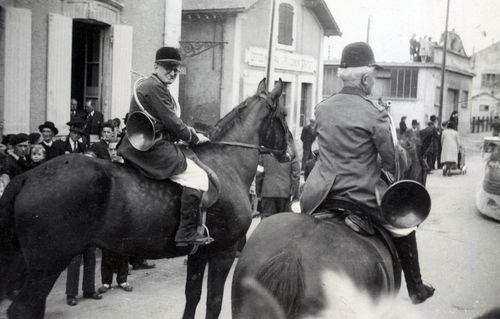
(459, 167)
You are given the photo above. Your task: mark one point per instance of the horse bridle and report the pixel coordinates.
(260, 148)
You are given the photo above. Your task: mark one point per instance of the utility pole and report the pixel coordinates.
(443, 65)
(368, 30)
(270, 49)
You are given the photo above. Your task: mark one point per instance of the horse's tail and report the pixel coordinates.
(10, 253)
(283, 276)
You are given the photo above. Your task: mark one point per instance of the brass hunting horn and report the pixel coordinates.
(141, 130)
(404, 203)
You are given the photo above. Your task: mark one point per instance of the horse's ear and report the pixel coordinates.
(262, 86)
(278, 89)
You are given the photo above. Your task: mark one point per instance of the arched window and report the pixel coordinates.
(285, 27)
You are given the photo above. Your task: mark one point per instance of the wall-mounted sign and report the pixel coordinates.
(256, 56)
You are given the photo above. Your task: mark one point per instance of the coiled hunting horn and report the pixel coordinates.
(140, 125)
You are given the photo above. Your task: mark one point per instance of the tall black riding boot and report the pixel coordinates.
(408, 256)
(190, 206)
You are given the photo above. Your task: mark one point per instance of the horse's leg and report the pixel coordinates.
(30, 303)
(194, 281)
(219, 265)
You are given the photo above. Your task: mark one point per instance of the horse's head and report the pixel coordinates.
(259, 115)
(274, 133)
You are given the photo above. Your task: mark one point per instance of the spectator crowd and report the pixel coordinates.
(89, 135)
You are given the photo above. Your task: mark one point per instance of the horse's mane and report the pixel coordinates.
(227, 122)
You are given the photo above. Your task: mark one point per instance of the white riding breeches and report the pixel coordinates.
(193, 177)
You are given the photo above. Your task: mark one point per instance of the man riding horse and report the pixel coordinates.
(165, 160)
(352, 133)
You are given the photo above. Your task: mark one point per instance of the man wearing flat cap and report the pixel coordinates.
(165, 159)
(16, 162)
(52, 147)
(352, 132)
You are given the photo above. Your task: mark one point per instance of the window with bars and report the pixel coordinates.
(285, 25)
(404, 83)
(490, 79)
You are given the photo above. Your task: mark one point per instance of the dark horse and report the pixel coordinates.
(288, 255)
(74, 201)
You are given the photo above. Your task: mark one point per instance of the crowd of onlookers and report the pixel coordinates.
(89, 135)
(437, 145)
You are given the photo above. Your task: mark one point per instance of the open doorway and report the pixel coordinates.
(87, 63)
(305, 103)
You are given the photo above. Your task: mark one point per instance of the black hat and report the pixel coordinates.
(169, 55)
(6, 140)
(358, 54)
(33, 138)
(414, 122)
(49, 125)
(18, 138)
(76, 125)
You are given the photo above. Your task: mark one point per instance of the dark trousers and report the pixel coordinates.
(113, 263)
(274, 205)
(88, 285)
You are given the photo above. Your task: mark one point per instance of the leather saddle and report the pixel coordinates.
(341, 210)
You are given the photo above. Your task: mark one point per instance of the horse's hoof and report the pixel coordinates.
(424, 292)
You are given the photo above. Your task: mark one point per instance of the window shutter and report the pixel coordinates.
(121, 67)
(285, 27)
(17, 69)
(59, 70)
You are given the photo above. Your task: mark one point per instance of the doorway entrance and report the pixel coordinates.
(87, 63)
(305, 103)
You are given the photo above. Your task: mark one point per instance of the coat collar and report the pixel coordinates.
(353, 91)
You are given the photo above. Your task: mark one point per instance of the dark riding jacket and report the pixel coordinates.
(351, 133)
(165, 158)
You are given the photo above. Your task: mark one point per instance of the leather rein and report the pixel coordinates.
(260, 148)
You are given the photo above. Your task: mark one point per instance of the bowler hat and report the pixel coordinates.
(414, 122)
(358, 54)
(48, 125)
(18, 138)
(169, 55)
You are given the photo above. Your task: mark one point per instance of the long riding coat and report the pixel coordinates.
(165, 158)
(450, 146)
(352, 132)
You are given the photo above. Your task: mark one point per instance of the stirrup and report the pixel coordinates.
(200, 241)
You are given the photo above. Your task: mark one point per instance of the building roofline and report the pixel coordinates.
(485, 93)
(215, 10)
(413, 65)
(318, 7)
(325, 17)
(487, 48)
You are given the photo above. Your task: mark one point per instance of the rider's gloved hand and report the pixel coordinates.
(202, 138)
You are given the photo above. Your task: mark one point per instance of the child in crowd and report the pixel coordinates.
(37, 155)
